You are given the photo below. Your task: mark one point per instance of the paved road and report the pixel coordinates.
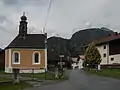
(79, 80)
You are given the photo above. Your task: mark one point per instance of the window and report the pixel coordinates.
(112, 59)
(104, 47)
(16, 57)
(36, 58)
(104, 55)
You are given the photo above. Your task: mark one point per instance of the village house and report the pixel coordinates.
(77, 61)
(109, 48)
(27, 52)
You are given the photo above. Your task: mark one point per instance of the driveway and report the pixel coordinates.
(80, 80)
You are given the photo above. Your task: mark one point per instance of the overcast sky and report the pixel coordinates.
(65, 17)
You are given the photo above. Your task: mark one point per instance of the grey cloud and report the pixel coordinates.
(4, 24)
(25, 2)
(2, 18)
(66, 16)
(32, 29)
(10, 2)
(3, 29)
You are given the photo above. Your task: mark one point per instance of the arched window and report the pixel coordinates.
(36, 58)
(16, 57)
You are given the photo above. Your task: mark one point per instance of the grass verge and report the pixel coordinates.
(38, 75)
(114, 73)
(3, 79)
(19, 86)
(43, 76)
(2, 71)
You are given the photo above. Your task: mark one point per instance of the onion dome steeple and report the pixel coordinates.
(23, 25)
(23, 18)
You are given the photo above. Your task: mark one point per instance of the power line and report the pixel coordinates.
(50, 3)
(3, 29)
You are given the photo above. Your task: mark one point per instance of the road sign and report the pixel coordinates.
(61, 63)
(61, 56)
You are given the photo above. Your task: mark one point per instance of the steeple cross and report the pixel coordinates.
(23, 13)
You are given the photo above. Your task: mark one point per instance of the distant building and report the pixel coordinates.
(26, 52)
(77, 62)
(109, 48)
(2, 59)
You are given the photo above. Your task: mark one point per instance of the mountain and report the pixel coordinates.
(0, 49)
(75, 44)
(57, 45)
(82, 37)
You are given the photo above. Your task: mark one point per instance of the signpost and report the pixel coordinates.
(61, 63)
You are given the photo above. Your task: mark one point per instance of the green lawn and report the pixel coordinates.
(2, 79)
(39, 75)
(2, 71)
(115, 73)
(42, 76)
(19, 86)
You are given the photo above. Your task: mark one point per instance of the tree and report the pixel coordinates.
(92, 56)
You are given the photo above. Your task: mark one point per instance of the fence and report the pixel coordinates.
(46, 75)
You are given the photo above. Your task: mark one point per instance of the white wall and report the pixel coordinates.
(116, 59)
(46, 59)
(9, 70)
(74, 59)
(104, 51)
(35, 71)
(74, 65)
(107, 59)
(80, 64)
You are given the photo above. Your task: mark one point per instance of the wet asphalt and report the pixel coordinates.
(80, 80)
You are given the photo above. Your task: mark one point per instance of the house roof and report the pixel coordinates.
(107, 39)
(29, 41)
